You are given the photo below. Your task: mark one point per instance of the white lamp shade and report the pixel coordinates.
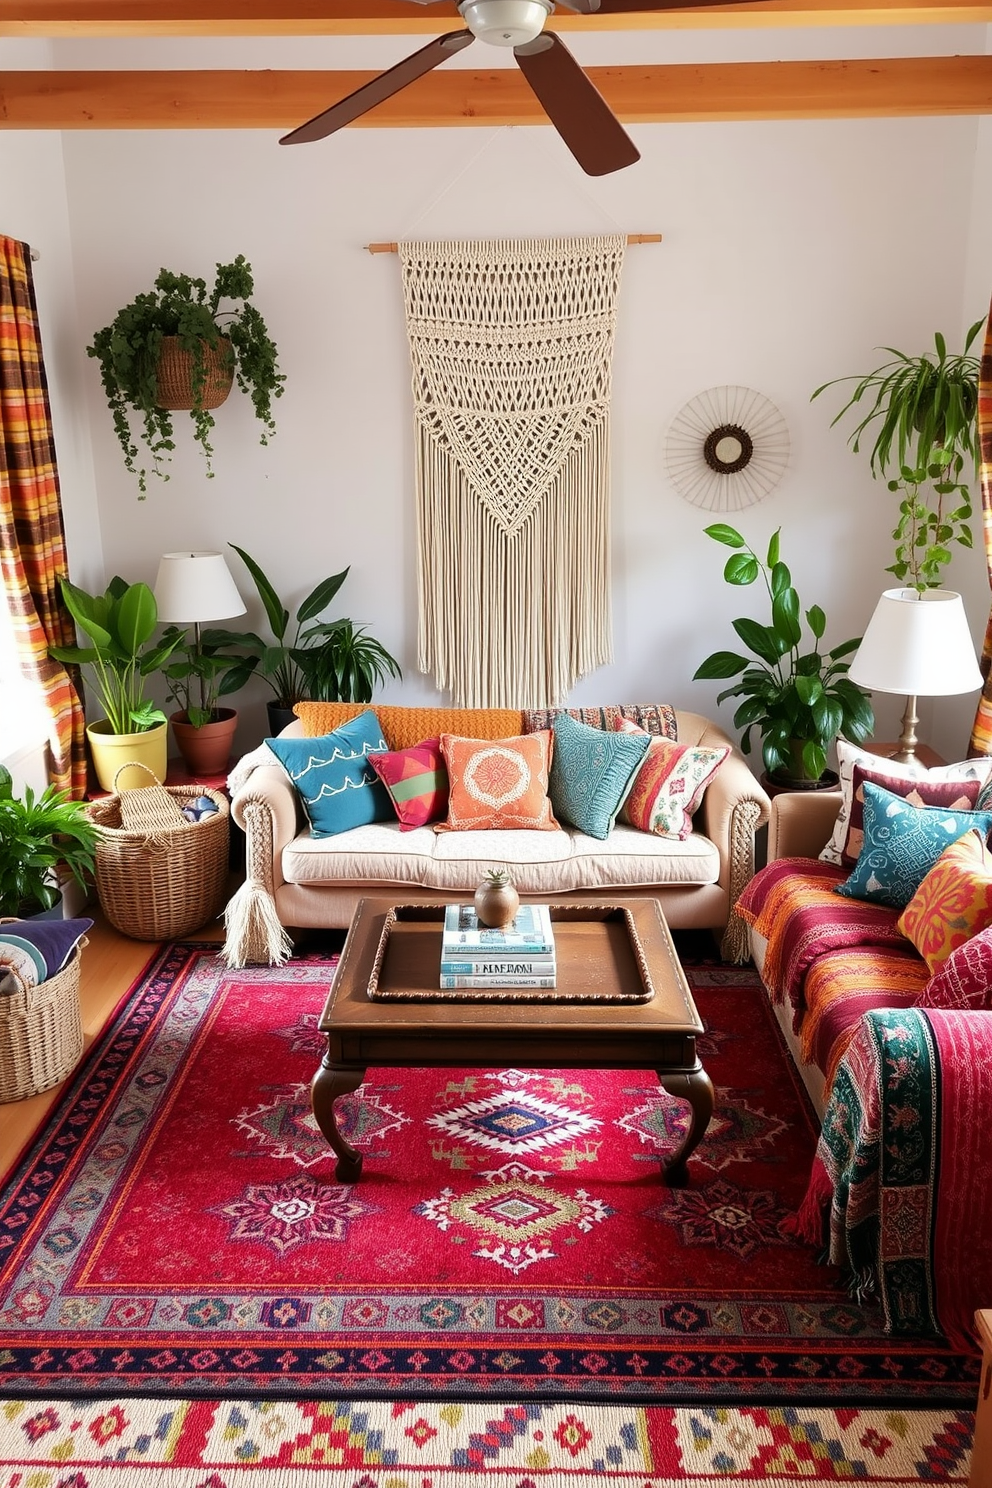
(918, 645)
(196, 588)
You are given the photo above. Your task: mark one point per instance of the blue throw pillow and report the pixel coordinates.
(902, 843)
(337, 785)
(35, 950)
(591, 773)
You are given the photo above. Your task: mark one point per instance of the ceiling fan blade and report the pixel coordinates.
(656, 7)
(575, 106)
(379, 89)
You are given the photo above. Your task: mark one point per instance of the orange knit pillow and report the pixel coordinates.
(403, 726)
(498, 783)
(953, 902)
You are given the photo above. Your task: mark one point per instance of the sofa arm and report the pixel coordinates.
(801, 823)
(733, 807)
(267, 808)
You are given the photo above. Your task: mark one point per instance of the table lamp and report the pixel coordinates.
(196, 589)
(916, 644)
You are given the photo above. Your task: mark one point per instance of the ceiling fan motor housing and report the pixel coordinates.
(508, 23)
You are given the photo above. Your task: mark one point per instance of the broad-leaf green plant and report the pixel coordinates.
(128, 351)
(120, 624)
(202, 670)
(921, 412)
(795, 697)
(41, 835)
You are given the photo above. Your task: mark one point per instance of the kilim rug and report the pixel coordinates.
(177, 1229)
(346, 1444)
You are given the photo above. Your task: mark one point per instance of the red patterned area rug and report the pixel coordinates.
(208, 1444)
(178, 1230)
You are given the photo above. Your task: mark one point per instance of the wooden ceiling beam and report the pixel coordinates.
(887, 87)
(87, 18)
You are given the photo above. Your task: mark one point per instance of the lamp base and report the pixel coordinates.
(905, 754)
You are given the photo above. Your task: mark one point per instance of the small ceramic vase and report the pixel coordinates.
(496, 900)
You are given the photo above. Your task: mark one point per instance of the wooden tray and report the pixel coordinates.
(599, 950)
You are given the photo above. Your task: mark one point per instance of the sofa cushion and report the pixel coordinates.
(403, 726)
(498, 783)
(591, 773)
(336, 784)
(849, 755)
(964, 980)
(955, 794)
(669, 784)
(954, 901)
(902, 843)
(417, 782)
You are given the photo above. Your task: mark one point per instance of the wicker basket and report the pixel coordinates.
(159, 877)
(41, 1033)
(174, 387)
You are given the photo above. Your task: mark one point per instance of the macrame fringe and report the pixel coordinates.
(255, 934)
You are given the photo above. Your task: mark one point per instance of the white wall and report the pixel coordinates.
(791, 251)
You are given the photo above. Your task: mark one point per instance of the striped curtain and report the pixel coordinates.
(32, 539)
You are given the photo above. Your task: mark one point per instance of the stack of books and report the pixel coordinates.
(522, 955)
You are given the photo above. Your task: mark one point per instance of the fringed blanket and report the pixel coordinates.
(792, 904)
(842, 986)
(901, 1188)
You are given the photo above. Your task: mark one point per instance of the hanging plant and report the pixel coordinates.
(224, 345)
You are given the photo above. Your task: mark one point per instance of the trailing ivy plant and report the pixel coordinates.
(128, 351)
(921, 413)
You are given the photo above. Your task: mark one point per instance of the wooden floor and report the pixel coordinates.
(111, 964)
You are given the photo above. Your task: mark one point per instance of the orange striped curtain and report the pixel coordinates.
(32, 539)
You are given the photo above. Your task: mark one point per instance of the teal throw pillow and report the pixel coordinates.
(338, 787)
(591, 773)
(902, 843)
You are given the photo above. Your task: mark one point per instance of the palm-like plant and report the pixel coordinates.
(344, 664)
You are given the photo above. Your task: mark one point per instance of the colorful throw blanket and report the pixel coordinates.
(842, 985)
(901, 1188)
(792, 904)
(654, 718)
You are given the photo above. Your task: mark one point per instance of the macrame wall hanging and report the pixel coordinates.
(511, 346)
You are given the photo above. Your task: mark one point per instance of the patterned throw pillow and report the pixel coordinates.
(669, 786)
(964, 980)
(849, 755)
(955, 794)
(417, 782)
(498, 783)
(591, 773)
(902, 843)
(954, 901)
(35, 950)
(338, 787)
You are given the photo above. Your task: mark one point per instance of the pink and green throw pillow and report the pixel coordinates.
(417, 782)
(669, 784)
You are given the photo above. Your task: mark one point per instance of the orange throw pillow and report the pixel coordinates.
(498, 783)
(953, 902)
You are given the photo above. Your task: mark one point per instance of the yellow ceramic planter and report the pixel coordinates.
(112, 751)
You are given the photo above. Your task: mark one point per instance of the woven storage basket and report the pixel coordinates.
(174, 375)
(159, 876)
(41, 1033)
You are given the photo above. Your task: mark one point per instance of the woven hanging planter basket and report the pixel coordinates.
(175, 375)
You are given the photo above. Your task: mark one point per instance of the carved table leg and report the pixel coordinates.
(328, 1084)
(696, 1087)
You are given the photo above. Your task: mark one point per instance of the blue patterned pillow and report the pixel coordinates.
(338, 787)
(902, 843)
(591, 773)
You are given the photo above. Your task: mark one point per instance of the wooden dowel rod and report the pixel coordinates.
(631, 238)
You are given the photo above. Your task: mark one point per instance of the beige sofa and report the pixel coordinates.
(295, 880)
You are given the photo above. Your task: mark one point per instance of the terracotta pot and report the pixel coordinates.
(174, 388)
(206, 750)
(496, 904)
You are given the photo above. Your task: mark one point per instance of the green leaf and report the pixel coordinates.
(785, 616)
(277, 614)
(773, 549)
(321, 597)
(816, 620)
(719, 664)
(809, 689)
(759, 639)
(741, 569)
(729, 536)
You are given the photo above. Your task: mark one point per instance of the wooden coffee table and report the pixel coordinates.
(622, 1002)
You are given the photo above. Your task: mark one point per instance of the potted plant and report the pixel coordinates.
(40, 836)
(119, 624)
(796, 698)
(330, 655)
(206, 348)
(921, 412)
(200, 672)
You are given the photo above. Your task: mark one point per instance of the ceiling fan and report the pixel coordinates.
(573, 104)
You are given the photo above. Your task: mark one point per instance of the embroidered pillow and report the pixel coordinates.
(849, 755)
(591, 773)
(35, 950)
(498, 783)
(956, 794)
(669, 785)
(954, 901)
(335, 782)
(902, 843)
(417, 782)
(964, 980)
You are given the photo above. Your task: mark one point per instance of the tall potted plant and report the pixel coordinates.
(120, 624)
(176, 347)
(920, 412)
(795, 697)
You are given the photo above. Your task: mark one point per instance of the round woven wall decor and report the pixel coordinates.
(727, 448)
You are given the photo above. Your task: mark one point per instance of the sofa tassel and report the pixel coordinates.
(255, 935)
